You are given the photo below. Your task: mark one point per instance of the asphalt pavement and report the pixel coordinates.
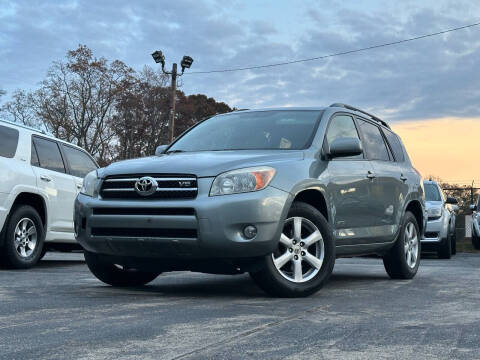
(58, 310)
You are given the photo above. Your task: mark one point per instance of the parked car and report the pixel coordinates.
(476, 224)
(440, 232)
(279, 193)
(39, 181)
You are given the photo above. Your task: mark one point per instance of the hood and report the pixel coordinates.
(201, 163)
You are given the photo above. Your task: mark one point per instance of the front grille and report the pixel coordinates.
(170, 186)
(145, 232)
(144, 211)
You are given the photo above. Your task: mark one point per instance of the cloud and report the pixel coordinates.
(434, 77)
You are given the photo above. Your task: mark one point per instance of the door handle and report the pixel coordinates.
(403, 178)
(79, 186)
(45, 178)
(371, 175)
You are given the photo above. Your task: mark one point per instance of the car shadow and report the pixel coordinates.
(58, 263)
(214, 286)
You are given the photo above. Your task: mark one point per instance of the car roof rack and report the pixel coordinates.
(373, 117)
(25, 127)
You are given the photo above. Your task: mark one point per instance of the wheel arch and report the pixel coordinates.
(416, 209)
(314, 197)
(34, 200)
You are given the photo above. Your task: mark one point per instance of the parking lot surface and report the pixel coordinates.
(58, 310)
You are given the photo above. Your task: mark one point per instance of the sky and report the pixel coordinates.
(428, 90)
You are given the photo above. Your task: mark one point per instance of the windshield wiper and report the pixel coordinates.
(174, 151)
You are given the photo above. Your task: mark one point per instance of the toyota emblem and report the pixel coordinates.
(146, 186)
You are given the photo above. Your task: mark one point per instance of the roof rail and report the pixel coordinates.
(25, 127)
(373, 117)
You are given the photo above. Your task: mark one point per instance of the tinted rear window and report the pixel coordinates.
(432, 193)
(80, 163)
(8, 141)
(373, 141)
(395, 145)
(49, 155)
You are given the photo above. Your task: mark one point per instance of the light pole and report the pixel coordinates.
(185, 64)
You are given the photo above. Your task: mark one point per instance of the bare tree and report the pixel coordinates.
(76, 100)
(21, 109)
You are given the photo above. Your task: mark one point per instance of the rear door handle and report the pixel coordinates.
(45, 178)
(371, 175)
(403, 178)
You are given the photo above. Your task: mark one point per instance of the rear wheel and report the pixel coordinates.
(304, 258)
(403, 259)
(24, 237)
(116, 275)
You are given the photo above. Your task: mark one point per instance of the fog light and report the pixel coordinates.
(250, 231)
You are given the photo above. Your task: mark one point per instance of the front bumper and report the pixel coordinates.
(435, 232)
(213, 229)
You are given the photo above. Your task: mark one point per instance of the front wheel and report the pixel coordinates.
(24, 237)
(304, 258)
(475, 240)
(445, 249)
(403, 259)
(116, 275)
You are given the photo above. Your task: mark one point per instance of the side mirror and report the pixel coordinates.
(160, 149)
(344, 147)
(451, 200)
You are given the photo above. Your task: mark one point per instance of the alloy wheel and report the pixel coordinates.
(300, 253)
(411, 245)
(25, 237)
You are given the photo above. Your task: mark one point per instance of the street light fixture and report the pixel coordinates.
(185, 64)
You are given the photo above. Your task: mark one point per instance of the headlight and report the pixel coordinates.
(90, 183)
(434, 212)
(242, 180)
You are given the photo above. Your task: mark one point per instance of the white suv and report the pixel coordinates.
(40, 177)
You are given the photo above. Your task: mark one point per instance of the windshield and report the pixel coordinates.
(285, 129)
(432, 193)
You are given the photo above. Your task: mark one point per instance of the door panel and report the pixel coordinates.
(349, 187)
(387, 189)
(55, 183)
(349, 190)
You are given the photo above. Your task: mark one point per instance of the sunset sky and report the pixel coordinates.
(429, 90)
(447, 148)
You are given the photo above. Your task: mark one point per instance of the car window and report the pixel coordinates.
(80, 163)
(34, 157)
(256, 130)
(373, 142)
(49, 156)
(432, 193)
(8, 141)
(395, 145)
(342, 126)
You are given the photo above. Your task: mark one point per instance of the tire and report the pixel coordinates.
(114, 275)
(44, 252)
(475, 240)
(444, 250)
(306, 274)
(454, 244)
(395, 261)
(24, 238)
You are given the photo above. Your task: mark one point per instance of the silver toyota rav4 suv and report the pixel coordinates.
(278, 193)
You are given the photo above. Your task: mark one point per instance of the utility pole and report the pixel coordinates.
(185, 64)
(174, 95)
